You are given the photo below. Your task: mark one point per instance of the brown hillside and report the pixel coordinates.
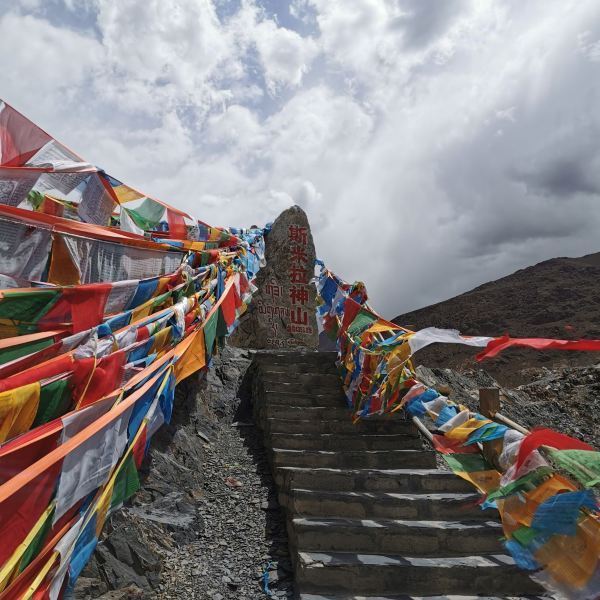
(557, 298)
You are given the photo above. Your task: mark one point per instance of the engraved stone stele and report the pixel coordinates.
(282, 312)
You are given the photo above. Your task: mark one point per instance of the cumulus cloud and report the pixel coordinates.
(434, 145)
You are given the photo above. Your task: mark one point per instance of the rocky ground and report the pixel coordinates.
(566, 400)
(206, 523)
(243, 540)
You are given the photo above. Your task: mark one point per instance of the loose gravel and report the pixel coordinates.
(242, 541)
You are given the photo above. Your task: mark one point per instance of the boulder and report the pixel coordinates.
(282, 312)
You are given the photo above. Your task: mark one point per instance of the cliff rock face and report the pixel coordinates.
(282, 312)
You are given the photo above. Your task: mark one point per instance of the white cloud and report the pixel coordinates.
(40, 59)
(435, 145)
(285, 56)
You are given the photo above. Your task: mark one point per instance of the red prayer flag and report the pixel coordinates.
(548, 437)
(228, 307)
(22, 451)
(46, 370)
(142, 333)
(20, 511)
(500, 344)
(105, 378)
(139, 448)
(87, 304)
(20, 139)
(351, 309)
(177, 228)
(452, 446)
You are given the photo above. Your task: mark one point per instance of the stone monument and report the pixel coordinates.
(282, 312)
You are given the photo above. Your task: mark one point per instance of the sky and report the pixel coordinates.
(434, 144)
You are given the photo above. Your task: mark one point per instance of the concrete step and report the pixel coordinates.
(351, 573)
(288, 377)
(353, 459)
(335, 399)
(404, 481)
(384, 505)
(405, 597)
(304, 424)
(394, 536)
(350, 441)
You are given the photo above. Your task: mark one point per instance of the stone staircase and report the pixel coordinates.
(369, 516)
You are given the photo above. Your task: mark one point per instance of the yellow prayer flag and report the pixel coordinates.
(484, 481)
(160, 339)
(8, 329)
(193, 358)
(161, 288)
(572, 559)
(462, 432)
(142, 311)
(18, 408)
(63, 270)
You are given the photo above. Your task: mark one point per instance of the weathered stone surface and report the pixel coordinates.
(282, 313)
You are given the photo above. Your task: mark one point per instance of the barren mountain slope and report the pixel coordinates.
(558, 298)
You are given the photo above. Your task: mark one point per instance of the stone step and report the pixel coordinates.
(334, 399)
(350, 441)
(372, 480)
(290, 359)
(405, 597)
(384, 505)
(393, 536)
(354, 573)
(287, 377)
(305, 387)
(353, 459)
(326, 366)
(287, 411)
(304, 424)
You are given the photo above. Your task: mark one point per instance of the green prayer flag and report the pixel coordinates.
(160, 299)
(584, 465)
(210, 333)
(37, 543)
(467, 463)
(55, 399)
(127, 482)
(17, 351)
(361, 322)
(148, 215)
(35, 198)
(526, 483)
(221, 324)
(525, 535)
(332, 334)
(27, 306)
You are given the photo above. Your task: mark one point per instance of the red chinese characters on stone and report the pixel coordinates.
(298, 275)
(298, 255)
(298, 295)
(299, 321)
(298, 234)
(299, 316)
